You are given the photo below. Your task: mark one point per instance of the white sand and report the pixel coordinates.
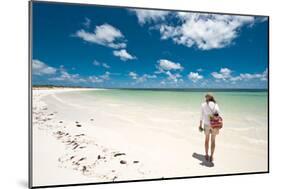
(162, 144)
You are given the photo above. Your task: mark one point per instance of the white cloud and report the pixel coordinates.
(105, 76)
(194, 76)
(223, 74)
(105, 35)
(105, 65)
(145, 77)
(99, 79)
(247, 76)
(147, 16)
(175, 77)
(166, 65)
(67, 77)
(123, 54)
(140, 79)
(170, 69)
(97, 63)
(133, 75)
(40, 68)
(95, 79)
(204, 31)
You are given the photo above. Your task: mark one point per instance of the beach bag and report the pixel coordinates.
(216, 121)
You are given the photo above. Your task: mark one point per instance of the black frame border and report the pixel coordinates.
(30, 95)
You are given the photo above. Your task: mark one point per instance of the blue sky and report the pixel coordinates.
(97, 46)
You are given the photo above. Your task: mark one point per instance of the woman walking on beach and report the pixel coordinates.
(209, 108)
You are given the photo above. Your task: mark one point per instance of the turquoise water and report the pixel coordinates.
(238, 107)
(240, 102)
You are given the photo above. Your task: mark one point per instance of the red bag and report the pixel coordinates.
(216, 122)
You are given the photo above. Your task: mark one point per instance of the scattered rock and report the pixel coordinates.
(101, 157)
(78, 125)
(60, 121)
(135, 161)
(123, 162)
(119, 154)
(92, 119)
(82, 159)
(76, 145)
(115, 177)
(84, 168)
(79, 135)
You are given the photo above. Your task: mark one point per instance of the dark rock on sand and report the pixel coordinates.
(84, 168)
(123, 162)
(135, 161)
(119, 154)
(82, 159)
(75, 146)
(101, 157)
(78, 125)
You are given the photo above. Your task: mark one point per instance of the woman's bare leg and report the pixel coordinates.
(213, 146)
(207, 138)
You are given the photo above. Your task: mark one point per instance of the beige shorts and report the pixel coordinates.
(209, 130)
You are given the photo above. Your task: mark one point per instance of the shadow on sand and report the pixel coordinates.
(203, 162)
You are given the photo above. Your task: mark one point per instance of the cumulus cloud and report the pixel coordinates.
(194, 76)
(170, 69)
(105, 35)
(133, 75)
(247, 76)
(41, 68)
(148, 16)
(225, 74)
(99, 79)
(142, 78)
(95, 79)
(123, 55)
(167, 65)
(67, 77)
(204, 31)
(175, 77)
